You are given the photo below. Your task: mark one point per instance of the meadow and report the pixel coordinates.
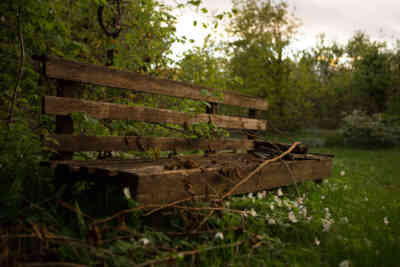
(350, 219)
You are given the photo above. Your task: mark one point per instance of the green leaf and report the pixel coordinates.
(204, 10)
(195, 23)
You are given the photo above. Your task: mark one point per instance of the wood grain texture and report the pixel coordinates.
(153, 183)
(64, 106)
(71, 143)
(169, 186)
(99, 75)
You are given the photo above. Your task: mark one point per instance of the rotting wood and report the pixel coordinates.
(99, 75)
(153, 184)
(71, 143)
(169, 186)
(64, 106)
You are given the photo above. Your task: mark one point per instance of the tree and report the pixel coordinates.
(263, 32)
(371, 72)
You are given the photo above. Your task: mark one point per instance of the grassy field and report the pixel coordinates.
(351, 219)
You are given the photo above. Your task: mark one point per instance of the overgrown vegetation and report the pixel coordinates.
(352, 220)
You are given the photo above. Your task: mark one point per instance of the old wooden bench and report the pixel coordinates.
(165, 180)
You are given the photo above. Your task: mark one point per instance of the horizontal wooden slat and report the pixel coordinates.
(99, 75)
(70, 143)
(64, 106)
(168, 186)
(153, 183)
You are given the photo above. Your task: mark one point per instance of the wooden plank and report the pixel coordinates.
(169, 186)
(64, 106)
(64, 123)
(70, 143)
(99, 75)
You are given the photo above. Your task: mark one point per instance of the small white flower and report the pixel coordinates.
(280, 193)
(345, 263)
(144, 241)
(127, 193)
(292, 217)
(326, 224)
(227, 204)
(322, 197)
(253, 213)
(300, 200)
(345, 187)
(344, 220)
(317, 242)
(303, 211)
(261, 195)
(342, 173)
(278, 201)
(385, 221)
(271, 221)
(219, 235)
(250, 195)
(271, 206)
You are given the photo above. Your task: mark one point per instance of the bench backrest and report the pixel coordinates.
(70, 74)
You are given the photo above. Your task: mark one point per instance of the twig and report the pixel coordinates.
(20, 70)
(52, 264)
(188, 253)
(262, 165)
(211, 209)
(292, 176)
(67, 206)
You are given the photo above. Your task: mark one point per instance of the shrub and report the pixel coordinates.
(379, 129)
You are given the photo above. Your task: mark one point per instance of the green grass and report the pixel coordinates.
(351, 219)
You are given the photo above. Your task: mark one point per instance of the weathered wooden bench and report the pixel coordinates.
(170, 179)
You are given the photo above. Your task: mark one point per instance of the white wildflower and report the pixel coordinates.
(253, 213)
(250, 195)
(342, 173)
(144, 241)
(227, 204)
(326, 224)
(278, 201)
(292, 217)
(344, 220)
(127, 193)
(317, 242)
(219, 235)
(309, 218)
(300, 200)
(303, 211)
(271, 221)
(280, 193)
(327, 213)
(385, 221)
(261, 195)
(271, 206)
(322, 197)
(345, 263)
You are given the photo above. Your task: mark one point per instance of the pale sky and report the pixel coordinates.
(337, 19)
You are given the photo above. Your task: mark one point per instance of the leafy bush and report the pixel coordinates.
(379, 129)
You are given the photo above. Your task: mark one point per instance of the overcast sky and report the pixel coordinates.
(337, 19)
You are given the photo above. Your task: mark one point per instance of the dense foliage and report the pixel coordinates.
(354, 87)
